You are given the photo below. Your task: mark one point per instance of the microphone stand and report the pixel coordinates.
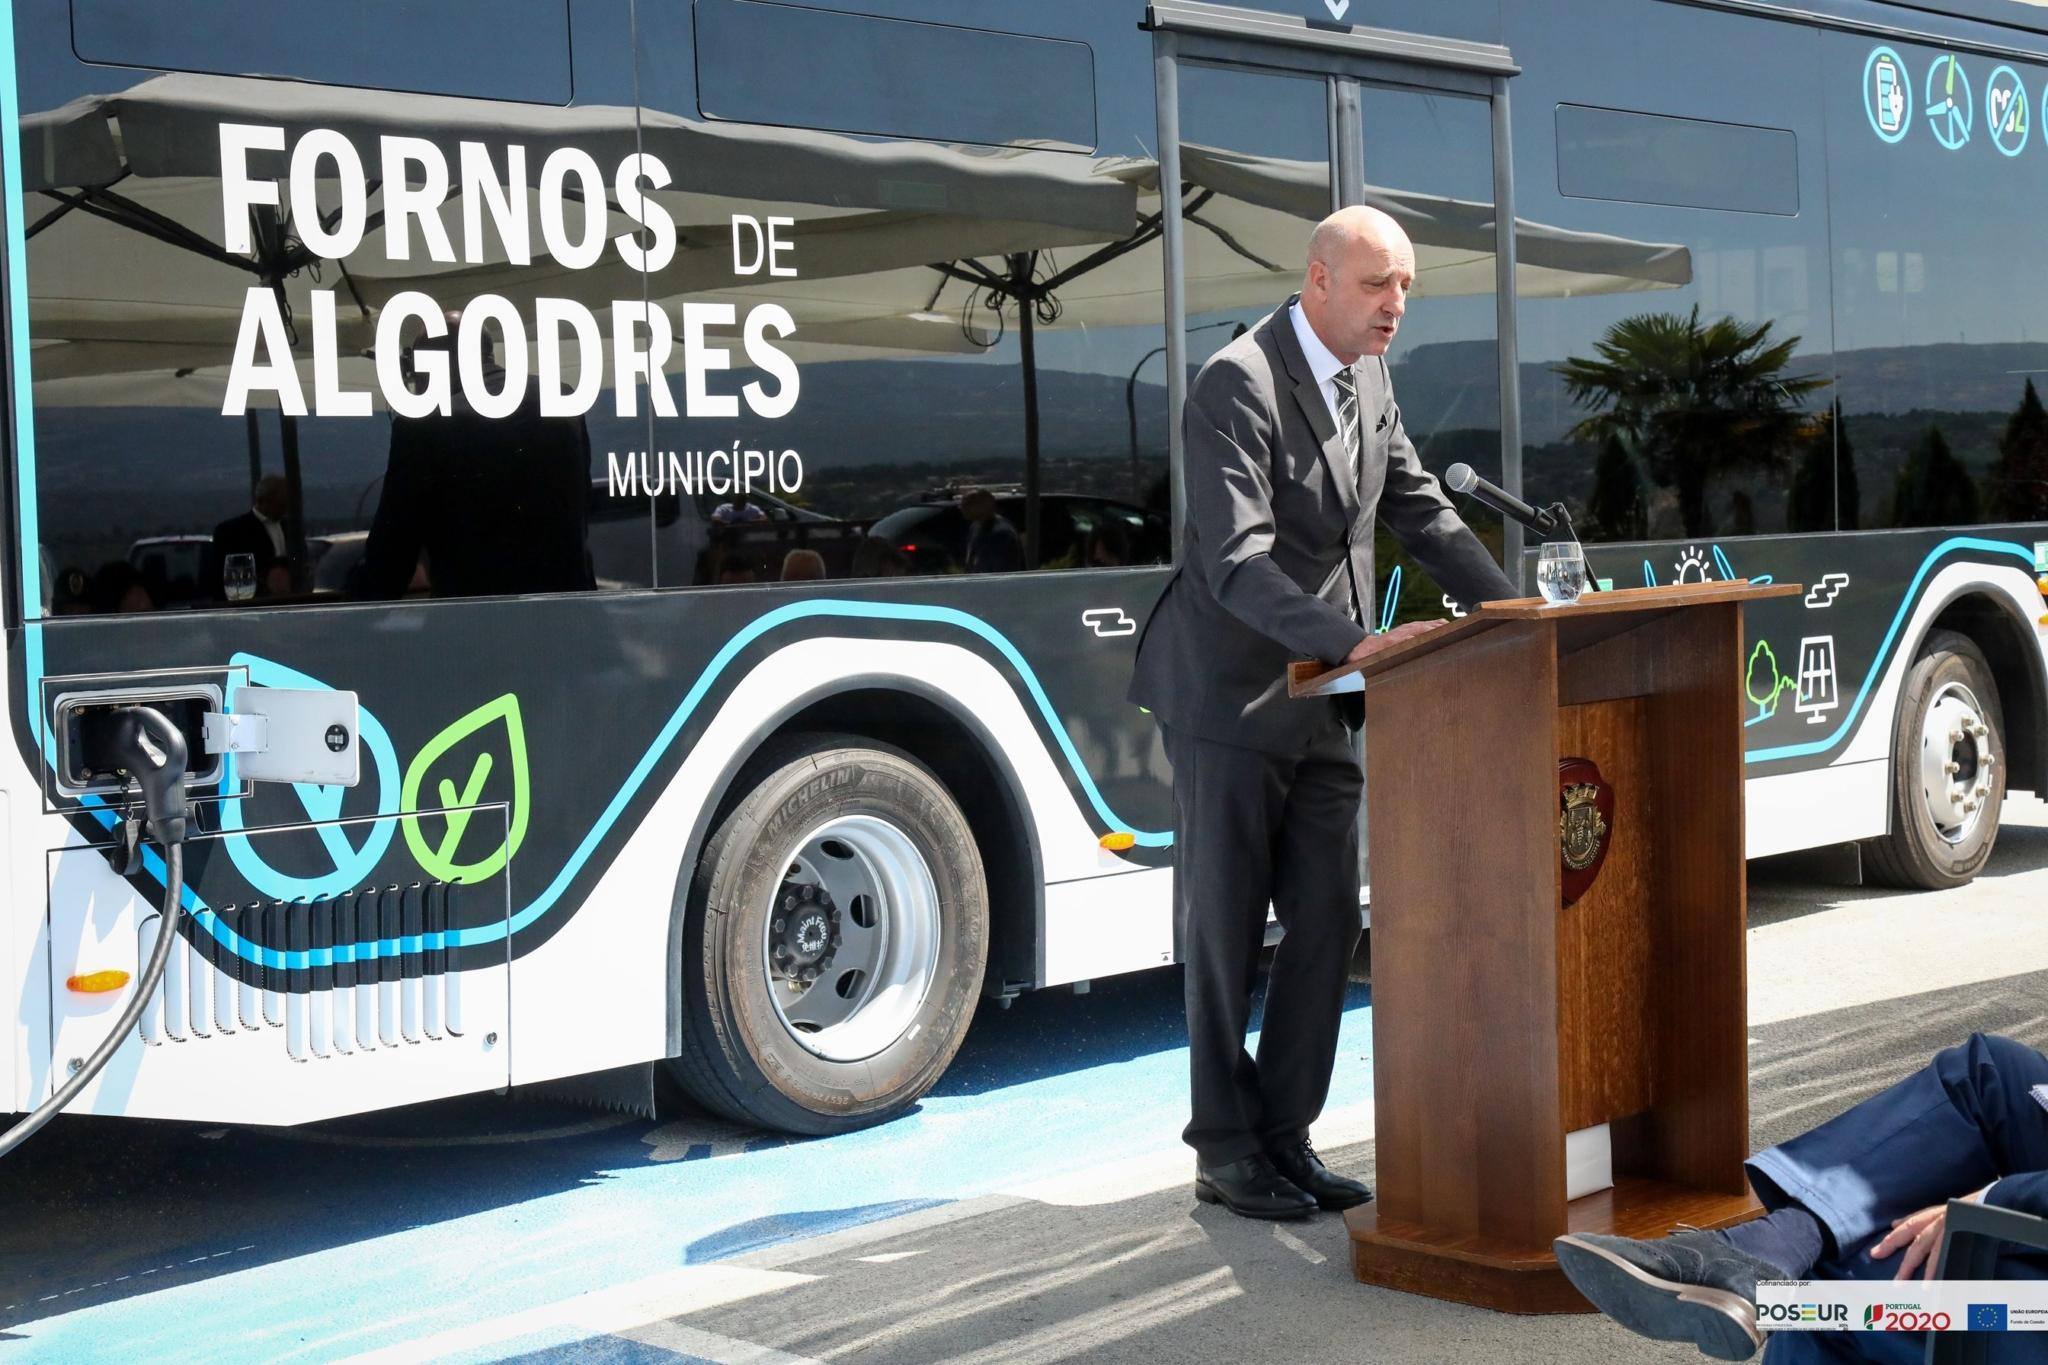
(1557, 510)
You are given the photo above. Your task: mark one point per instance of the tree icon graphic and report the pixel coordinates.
(1763, 682)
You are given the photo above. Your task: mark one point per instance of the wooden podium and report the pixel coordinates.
(1503, 1019)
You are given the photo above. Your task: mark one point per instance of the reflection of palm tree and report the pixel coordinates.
(1691, 401)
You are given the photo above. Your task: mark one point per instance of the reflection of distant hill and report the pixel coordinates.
(1438, 384)
(873, 431)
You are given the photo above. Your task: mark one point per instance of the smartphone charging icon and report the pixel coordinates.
(1890, 102)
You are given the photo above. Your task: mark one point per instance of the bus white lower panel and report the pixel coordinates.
(1107, 925)
(1813, 809)
(220, 1047)
(595, 995)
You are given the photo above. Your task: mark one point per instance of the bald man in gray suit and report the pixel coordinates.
(1294, 444)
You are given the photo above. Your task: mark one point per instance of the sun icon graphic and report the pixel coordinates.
(1692, 566)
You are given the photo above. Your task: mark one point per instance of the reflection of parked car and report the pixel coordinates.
(1075, 531)
(169, 564)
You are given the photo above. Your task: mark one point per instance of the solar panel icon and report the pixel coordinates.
(1817, 690)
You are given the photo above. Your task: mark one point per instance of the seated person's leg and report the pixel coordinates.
(1946, 1131)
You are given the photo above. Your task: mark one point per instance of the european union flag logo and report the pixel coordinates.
(1986, 1317)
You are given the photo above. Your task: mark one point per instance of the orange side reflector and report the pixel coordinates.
(1118, 840)
(97, 983)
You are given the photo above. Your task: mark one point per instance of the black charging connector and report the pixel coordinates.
(140, 744)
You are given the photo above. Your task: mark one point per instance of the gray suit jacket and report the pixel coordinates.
(1274, 541)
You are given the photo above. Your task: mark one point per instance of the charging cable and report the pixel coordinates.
(151, 750)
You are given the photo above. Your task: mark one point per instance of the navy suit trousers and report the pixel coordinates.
(1958, 1124)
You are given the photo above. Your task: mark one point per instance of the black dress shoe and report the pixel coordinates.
(1691, 1286)
(1251, 1188)
(1300, 1164)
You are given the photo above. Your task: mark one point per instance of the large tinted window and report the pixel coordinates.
(294, 343)
(1684, 162)
(813, 68)
(1676, 373)
(446, 47)
(930, 357)
(1940, 184)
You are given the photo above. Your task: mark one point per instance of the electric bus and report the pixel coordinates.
(668, 492)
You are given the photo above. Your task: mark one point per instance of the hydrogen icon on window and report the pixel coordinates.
(1887, 94)
(1951, 109)
(2006, 115)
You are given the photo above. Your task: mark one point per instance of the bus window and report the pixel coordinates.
(375, 44)
(811, 68)
(892, 333)
(1684, 162)
(1686, 393)
(287, 338)
(1937, 289)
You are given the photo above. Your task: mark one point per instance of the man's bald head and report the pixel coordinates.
(1361, 266)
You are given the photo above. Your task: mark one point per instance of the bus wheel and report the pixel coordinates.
(837, 931)
(1948, 770)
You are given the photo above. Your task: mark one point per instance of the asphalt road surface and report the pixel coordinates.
(1034, 1208)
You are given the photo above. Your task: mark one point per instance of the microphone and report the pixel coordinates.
(1460, 478)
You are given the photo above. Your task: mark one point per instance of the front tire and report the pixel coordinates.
(836, 936)
(1948, 770)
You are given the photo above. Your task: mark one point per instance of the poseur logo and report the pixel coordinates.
(1804, 1312)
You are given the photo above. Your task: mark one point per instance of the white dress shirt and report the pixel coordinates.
(1321, 363)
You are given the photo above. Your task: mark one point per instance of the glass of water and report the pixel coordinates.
(1561, 572)
(238, 577)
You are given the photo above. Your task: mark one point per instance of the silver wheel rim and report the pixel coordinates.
(851, 940)
(1956, 763)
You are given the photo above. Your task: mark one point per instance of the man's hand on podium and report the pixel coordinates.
(1373, 644)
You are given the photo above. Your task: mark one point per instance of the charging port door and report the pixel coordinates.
(280, 1008)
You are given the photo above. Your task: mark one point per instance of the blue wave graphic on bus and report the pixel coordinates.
(338, 882)
(352, 865)
(1884, 649)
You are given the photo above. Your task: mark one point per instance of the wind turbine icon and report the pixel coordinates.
(1949, 115)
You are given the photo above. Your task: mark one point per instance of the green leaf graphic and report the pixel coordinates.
(440, 861)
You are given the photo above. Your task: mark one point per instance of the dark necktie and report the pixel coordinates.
(1347, 420)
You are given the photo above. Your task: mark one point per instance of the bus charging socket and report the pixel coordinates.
(82, 724)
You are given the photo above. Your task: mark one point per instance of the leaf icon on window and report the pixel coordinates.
(462, 785)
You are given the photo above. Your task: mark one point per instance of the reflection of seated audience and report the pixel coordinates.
(738, 511)
(1106, 545)
(802, 566)
(877, 558)
(993, 545)
(496, 505)
(71, 592)
(1862, 1197)
(723, 560)
(258, 533)
(118, 587)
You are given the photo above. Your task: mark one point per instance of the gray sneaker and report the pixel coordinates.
(1691, 1286)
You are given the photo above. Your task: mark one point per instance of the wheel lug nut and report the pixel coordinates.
(1951, 767)
(779, 924)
